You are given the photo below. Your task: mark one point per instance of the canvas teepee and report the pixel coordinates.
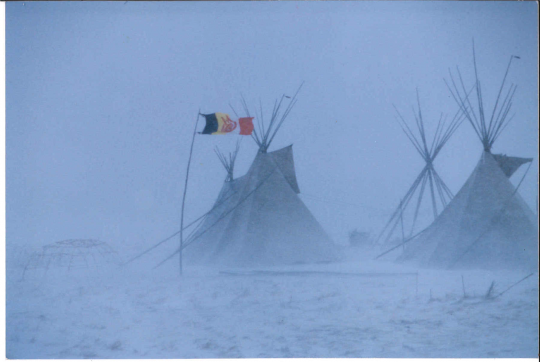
(487, 224)
(228, 197)
(228, 162)
(265, 222)
(428, 178)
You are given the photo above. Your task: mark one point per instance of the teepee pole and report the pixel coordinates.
(479, 98)
(419, 202)
(499, 95)
(261, 116)
(184, 196)
(178, 232)
(440, 191)
(467, 108)
(394, 219)
(401, 221)
(433, 201)
(445, 188)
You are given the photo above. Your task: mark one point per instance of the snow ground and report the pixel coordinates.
(349, 309)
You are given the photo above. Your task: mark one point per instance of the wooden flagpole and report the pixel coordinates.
(184, 196)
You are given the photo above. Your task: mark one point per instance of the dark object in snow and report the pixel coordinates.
(490, 290)
(359, 238)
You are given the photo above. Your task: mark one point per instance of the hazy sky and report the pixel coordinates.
(102, 100)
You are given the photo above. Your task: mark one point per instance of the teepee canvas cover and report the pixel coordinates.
(202, 244)
(487, 225)
(265, 222)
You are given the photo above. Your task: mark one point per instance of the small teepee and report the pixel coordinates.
(228, 161)
(428, 178)
(487, 224)
(265, 222)
(228, 197)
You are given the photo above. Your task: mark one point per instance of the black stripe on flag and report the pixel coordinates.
(211, 124)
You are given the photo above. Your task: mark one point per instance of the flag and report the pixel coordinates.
(221, 123)
(246, 126)
(218, 123)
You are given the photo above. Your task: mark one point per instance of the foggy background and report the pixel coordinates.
(102, 99)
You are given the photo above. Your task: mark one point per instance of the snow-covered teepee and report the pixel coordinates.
(487, 224)
(264, 222)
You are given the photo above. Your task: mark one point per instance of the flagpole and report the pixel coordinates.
(184, 196)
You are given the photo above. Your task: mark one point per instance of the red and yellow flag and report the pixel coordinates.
(221, 123)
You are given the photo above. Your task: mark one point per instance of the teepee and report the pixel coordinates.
(428, 178)
(228, 162)
(487, 224)
(264, 222)
(228, 197)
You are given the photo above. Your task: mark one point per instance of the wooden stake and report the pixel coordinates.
(184, 196)
(490, 290)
